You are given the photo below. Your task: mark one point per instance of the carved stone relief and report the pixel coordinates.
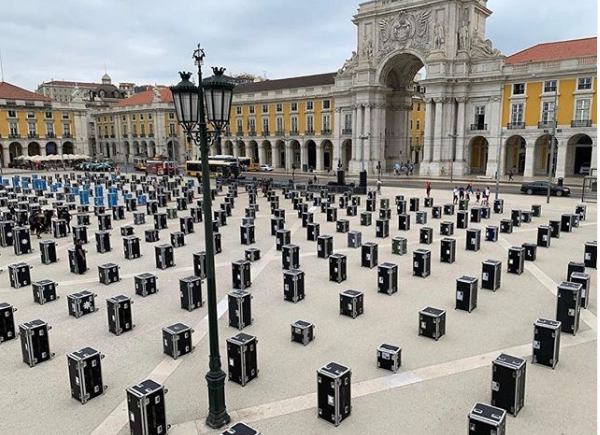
(405, 30)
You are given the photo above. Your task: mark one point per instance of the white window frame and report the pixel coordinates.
(310, 123)
(13, 128)
(265, 124)
(252, 125)
(294, 124)
(327, 122)
(280, 125)
(294, 107)
(524, 89)
(32, 128)
(279, 107)
(66, 128)
(520, 114)
(548, 111)
(65, 115)
(326, 104)
(12, 113)
(552, 91)
(587, 81)
(240, 125)
(348, 121)
(265, 108)
(238, 110)
(30, 115)
(251, 110)
(310, 105)
(583, 110)
(49, 128)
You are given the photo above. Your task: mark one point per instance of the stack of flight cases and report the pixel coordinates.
(242, 358)
(568, 306)
(491, 274)
(146, 408)
(85, 374)
(119, 314)
(508, 383)
(177, 340)
(48, 251)
(240, 309)
(387, 278)
(487, 420)
(466, 293)
(546, 342)
(35, 344)
(334, 393)
(7, 322)
(190, 292)
(145, 284)
(44, 291)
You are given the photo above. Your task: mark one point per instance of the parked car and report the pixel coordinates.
(585, 169)
(541, 188)
(265, 168)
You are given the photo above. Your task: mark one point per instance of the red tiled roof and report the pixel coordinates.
(556, 51)
(67, 83)
(146, 97)
(12, 92)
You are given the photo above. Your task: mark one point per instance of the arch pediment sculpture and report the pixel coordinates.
(405, 30)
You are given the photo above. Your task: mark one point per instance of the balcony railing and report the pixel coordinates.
(33, 136)
(516, 126)
(105, 136)
(346, 131)
(51, 135)
(135, 135)
(325, 132)
(252, 133)
(280, 133)
(479, 127)
(294, 133)
(546, 124)
(309, 132)
(112, 135)
(265, 133)
(14, 136)
(67, 135)
(581, 123)
(143, 135)
(239, 133)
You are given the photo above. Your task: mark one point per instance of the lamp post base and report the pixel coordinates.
(217, 414)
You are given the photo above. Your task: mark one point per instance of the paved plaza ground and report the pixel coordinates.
(431, 394)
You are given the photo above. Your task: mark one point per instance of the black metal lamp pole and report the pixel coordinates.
(189, 101)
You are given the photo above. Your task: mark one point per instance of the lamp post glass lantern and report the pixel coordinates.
(214, 94)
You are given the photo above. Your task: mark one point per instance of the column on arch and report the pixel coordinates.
(428, 138)
(320, 156)
(561, 158)
(438, 129)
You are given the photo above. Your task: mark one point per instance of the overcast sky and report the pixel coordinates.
(148, 41)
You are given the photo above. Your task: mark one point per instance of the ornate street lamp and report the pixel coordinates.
(214, 94)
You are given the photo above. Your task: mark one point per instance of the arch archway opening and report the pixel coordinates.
(542, 155)
(515, 151)
(579, 155)
(15, 150)
(33, 149)
(296, 154)
(478, 149)
(346, 154)
(311, 148)
(51, 149)
(327, 155)
(68, 148)
(268, 152)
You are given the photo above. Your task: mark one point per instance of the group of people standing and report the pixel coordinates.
(481, 197)
(41, 222)
(407, 167)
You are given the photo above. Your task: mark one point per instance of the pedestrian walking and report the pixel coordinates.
(378, 187)
(477, 196)
(510, 175)
(461, 192)
(455, 195)
(80, 257)
(428, 189)
(67, 217)
(486, 195)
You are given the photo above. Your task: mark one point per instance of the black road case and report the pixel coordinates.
(436, 212)
(387, 278)
(385, 213)
(526, 216)
(369, 255)
(404, 222)
(447, 228)
(544, 235)
(80, 233)
(508, 383)
(351, 303)
(421, 263)
(382, 228)
(337, 268)
(146, 406)
(145, 284)
(252, 254)
(491, 233)
(516, 217)
(530, 251)
(131, 247)
(334, 399)
(499, 206)
(74, 264)
(139, 218)
(466, 293)
(108, 273)
(44, 291)
(177, 340)
(21, 241)
(282, 237)
(59, 228)
(516, 260)
(546, 342)
(414, 204)
(432, 323)
(190, 293)
(331, 214)
(568, 306)
(462, 219)
(119, 314)
(276, 225)
(401, 207)
(491, 274)
(590, 254)
(354, 239)
(342, 226)
(293, 285)
(240, 309)
(186, 224)
(104, 222)
(399, 245)
(200, 264)
(506, 226)
(555, 226)
(85, 374)
(389, 357)
(81, 303)
(103, 242)
(177, 239)
(7, 322)
(574, 266)
(240, 274)
(35, 344)
(566, 223)
(421, 217)
(307, 218)
(448, 209)
(303, 332)
(164, 256)
(448, 250)
(324, 246)
(366, 219)
(487, 420)
(351, 210)
(581, 210)
(585, 280)
(312, 232)
(48, 251)
(290, 257)
(426, 235)
(19, 275)
(473, 239)
(242, 358)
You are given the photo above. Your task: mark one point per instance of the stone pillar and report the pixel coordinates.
(459, 163)
(438, 130)
(248, 150)
(236, 150)
(428, 128)
(262, 154)
(303, 155)
(355, 132)
(276, 155)
(359, 143)
(369, 142)
(289, 157)
(320, 157)
(529, 159)
(561, 158)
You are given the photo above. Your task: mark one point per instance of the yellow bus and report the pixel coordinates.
(215, 167)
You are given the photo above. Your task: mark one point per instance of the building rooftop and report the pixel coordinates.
(12, 92)
(68, 83)
(556, 51)
(288, 83)
(146, 97)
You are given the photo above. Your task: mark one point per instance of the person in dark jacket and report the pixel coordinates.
(67, 217)
(80, 257)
